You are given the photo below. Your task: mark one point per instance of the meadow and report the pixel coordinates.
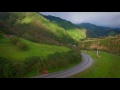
(12, 52)
(105, 66)
(23, 58)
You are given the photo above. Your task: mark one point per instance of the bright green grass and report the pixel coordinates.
(107, 66)
(77, 34)
(26, 20)
(13, 53)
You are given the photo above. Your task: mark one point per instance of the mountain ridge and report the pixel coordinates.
(99, 30)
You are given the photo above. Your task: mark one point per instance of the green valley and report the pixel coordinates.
(35, 44)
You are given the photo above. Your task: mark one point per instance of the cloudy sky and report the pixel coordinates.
(111, 19)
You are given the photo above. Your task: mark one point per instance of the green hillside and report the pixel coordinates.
(14, 53)
(34, 27)
(110, 44)
(73, 30)
(25, 49)
(61, 22)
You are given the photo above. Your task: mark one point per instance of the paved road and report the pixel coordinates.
(86, 62)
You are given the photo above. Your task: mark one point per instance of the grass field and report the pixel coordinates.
(11, 52)
(14, 54)
(107, 66)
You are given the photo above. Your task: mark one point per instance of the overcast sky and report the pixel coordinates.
(111, 19)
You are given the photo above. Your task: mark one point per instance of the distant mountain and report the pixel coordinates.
(117, 29)
(34, 27)
(99, 30)
(113, 32)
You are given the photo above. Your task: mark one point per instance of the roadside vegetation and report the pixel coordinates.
(23, 58)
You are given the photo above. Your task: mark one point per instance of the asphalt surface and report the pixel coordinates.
(86, 63)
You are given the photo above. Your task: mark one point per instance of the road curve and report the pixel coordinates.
(86, 62)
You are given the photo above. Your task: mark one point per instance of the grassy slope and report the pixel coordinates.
(34, 27)
(110, 44)
(107, 66)
(73, 30)
(77, 34)
(11, 52)
(14, 54)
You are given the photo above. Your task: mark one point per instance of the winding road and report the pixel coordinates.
(86, 63)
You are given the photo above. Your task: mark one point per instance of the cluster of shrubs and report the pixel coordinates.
(16, 41)
(10, 69)
(58, 60)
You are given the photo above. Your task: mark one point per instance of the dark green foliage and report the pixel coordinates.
(59, 60)
(0, 36)
(20, 68)
(8, 71)
(31, 62)
(11, 69)
(54, 61)
(34, 63)
(3, 62)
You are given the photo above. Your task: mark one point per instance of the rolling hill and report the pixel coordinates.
(25, 49)
(110, 44)
(73, 30)
(13, 52)
(61, 22)
(34, 27)
(22, 58)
